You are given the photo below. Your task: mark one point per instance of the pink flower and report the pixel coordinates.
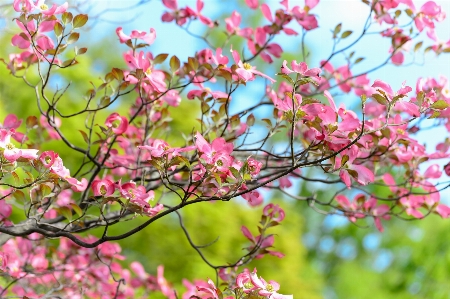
(164, 285)
(23, 5)
(48, 158)
(300, 68)
(172, 98)
(23, 41)
(274, 212)
(253, 4)
(250, 282)
(12, 122)
(117, 123)
(232, 26)
(429, 12)
(158, 148)
(55, 121)
(148, 38)
(103, 187)
(77, 186)
(206, 92)
(180, 15)
(5, 210)
(201, 17)
(265, 289)
(254, 166)
(10, 152)
(3, 262)
(432, 172)
(447, 169)
(247, 72)
(243, 281)
(144, 62)
(253, 198)
(217, 153)
(306, 20)
(28, 5)
(211, 289)
(57, 167)
(443, 211)
(363, 175)
(54, 10)
(131, 191)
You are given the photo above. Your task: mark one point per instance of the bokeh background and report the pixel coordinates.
(326, 256)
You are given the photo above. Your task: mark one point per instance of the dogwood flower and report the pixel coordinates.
(10, 152)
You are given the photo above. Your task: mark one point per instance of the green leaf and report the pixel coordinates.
(439, 105)
(58, 29)
(117, 73)
(420, 97)
(85, 136)
(363, 99)
(268, 122)
(160, 58)
(204, 107)
(306, 80)
(193, 63)
(346, 34)
(79, 21)
(310, 101)
(287, 77)
(226, 75)
(236, 173)
(69, 62)
(16, 177)
(380, 99)
(250, 120)
(386, 133)
(80, 51)
(235, 121)
(174, 64)
(337, 29)
(77, 209)
(104, 101)
(218, 179)
(65, 211)
(358, 60)
(19, 195)
(31, 122)
(435, 114)
(73, 37)
(418, 46)
(398, 97)
(67, 17)
(45, 190)
(409, 12)
(345, 159)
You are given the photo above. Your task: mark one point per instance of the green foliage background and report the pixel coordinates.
(420, 265)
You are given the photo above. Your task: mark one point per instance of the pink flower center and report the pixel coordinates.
(10, 146)
(103, 190)
(247, 66)
(115, 124)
